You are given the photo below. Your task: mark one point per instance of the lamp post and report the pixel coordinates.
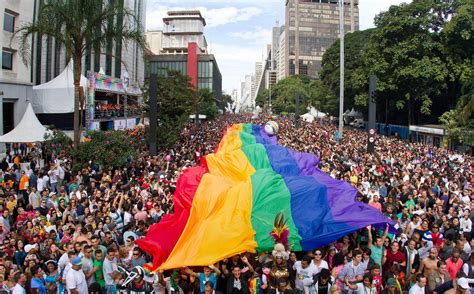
(341, 67)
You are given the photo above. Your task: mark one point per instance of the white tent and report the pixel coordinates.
(354, 113)
(29, 130)
(57, 95)
(307, 117)
(316, 113)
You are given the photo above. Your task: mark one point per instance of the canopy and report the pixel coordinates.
(29, 129)
(307, 117)
(354, 113)
(316, 113)
(57, 95)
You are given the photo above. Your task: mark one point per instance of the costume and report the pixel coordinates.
(280, 233)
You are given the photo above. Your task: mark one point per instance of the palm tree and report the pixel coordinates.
(78, 25)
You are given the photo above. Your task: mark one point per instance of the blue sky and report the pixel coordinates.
(237, 31)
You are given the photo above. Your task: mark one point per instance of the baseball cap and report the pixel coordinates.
(77, 260)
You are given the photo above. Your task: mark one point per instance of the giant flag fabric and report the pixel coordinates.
(227, 205)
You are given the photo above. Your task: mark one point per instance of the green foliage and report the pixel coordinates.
(312, 93)
(422, 54)
(355, 73)
(56, 143)
(405, 54)
(460, 121)
(109, 150)
(176, 101)
(262, 99)
(207, 103)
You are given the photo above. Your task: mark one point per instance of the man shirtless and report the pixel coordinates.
(429, 263)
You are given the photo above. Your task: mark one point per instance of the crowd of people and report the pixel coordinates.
(74, 232)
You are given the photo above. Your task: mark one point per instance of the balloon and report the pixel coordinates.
(168, 157)
(271, 128)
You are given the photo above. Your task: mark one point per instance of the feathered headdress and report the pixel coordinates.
(280, 230)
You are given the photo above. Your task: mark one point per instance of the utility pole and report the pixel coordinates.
(297, 38)
(153, 113)
(341, 67)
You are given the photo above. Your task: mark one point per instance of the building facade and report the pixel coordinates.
(47, 58)
(201, 68)
(311, 27)
(181, 28)
(15, 76)
(184, 48)
(115, 59)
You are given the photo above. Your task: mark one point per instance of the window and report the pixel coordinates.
(9, 22)
(7, 59)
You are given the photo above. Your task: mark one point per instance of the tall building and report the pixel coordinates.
(275, 46)
(15, 76)
(184, 48)
(115, 59)
(181, 28)
(311, 26)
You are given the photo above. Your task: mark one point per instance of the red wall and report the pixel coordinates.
(193, 63)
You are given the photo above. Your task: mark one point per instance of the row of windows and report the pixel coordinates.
(205, 69)
(162, 67)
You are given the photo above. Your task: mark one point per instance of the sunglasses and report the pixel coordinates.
(317, 253)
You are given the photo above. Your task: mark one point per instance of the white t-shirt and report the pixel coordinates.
(303, 273)
(76, 280)
(107, 268)
(361, 289)
(415, 289)
(316, 269)
(40, 185)
(18, 289)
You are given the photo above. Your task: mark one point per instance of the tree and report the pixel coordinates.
(354, 47)
(207, 103)
(78, 25)
(460, 121)
(177, 100)
(405, 53)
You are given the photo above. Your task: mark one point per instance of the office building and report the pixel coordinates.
(154, 40)
(184, 49)
(311, 27)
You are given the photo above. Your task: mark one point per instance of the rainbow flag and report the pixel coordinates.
(228, 205)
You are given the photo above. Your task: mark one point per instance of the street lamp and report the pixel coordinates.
(341, 67)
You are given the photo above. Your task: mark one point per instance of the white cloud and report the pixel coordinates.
(234, 62)
(368, 9)
(257, 34)
(214, 16)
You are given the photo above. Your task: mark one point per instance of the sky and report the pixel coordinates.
(237, 31)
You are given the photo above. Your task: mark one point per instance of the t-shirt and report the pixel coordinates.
(38, 284)
(18, 289)
(398, 257)
(99, 274)
(302, 274)
(76, 280)
(376, 254)
(361, 289)
(109, 267)
(87, 266)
